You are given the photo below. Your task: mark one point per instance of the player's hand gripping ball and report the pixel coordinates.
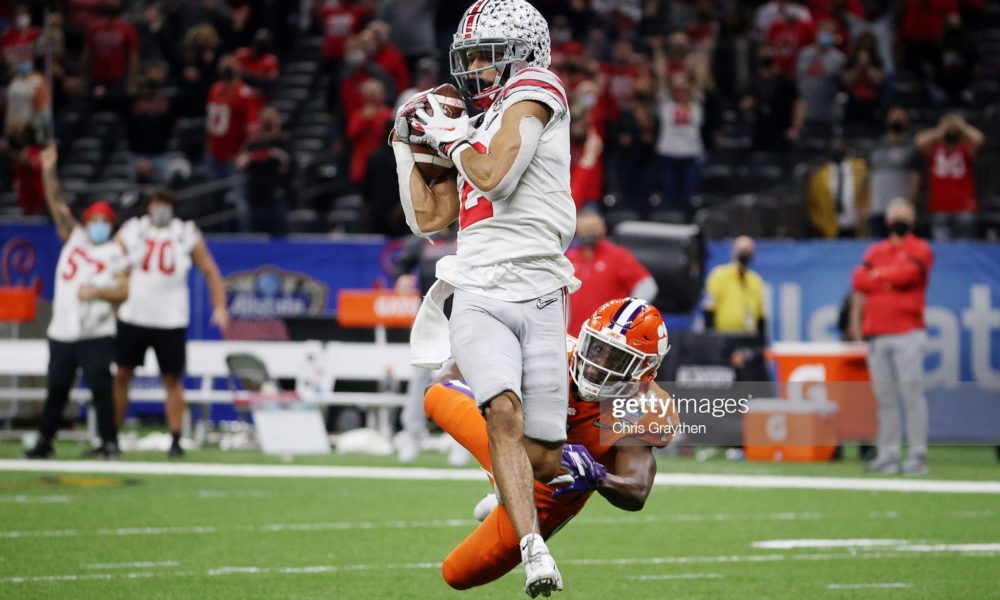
(444, 101)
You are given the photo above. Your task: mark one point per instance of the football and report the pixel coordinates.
(429, 163)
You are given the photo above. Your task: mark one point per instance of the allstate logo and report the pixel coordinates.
(273, 293)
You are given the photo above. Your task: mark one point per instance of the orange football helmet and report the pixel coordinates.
(620, 346)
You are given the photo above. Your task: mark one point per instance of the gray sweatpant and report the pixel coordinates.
(896, 365)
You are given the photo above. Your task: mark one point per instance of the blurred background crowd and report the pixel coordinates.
(771, 119)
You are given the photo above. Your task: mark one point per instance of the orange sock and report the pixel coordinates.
(455, 411)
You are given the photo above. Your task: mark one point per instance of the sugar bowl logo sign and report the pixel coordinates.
(258, 301)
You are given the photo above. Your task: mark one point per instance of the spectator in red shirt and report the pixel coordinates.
(386, 55)
(863, 79)
(788, 35)
(111, 53)
(259, 67)
(339, 20)
(605, 270)
(920, 29)
(232, 114)
(586, 166)
(28, 184)
(357, 69)
(893, 282)
(18, 42)
(950, 150)
(366, 126)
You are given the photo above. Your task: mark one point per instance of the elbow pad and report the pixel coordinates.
(530, 129)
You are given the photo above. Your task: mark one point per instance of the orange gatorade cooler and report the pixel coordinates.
(785, 430)
(830, 371)
(17, 304)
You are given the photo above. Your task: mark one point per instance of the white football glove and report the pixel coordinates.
(438, 131)
(405, 113)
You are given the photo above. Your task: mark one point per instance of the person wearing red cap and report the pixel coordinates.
(91, 281)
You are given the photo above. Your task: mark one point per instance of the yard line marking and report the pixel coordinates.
(29, 499)
(321, 569)
(428, 474)
(827, 543)
(678, 576)
(966, 548)
(869, 586)
(43, 533)
(132, 565)
(157, 530)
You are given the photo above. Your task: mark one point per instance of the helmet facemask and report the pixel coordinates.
(605, 368)
(507, 56)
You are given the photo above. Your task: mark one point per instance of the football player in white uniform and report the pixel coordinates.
(162, 249)
(91, 279)
(510, 277)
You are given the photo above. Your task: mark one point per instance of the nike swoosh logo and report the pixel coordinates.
(543, 302)
(598, 424)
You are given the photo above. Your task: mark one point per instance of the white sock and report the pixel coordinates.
(532, 544)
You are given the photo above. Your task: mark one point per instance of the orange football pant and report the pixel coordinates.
(492, 549)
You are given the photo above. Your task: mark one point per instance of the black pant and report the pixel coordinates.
(94, 358)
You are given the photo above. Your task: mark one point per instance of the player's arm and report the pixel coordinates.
(61, 215)
(427, 207)
(496, 173)
(115, 295)
(203, 259)
(630, 478)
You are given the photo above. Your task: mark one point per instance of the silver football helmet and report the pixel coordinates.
(511, 34)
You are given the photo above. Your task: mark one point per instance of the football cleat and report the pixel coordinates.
(175, 451)
(541, 574)
(41, 450)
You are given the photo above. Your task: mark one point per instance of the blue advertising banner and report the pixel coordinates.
(806, 283)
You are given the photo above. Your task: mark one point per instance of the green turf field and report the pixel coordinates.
(144, 536)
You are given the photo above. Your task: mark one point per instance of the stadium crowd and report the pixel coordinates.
(816, 114)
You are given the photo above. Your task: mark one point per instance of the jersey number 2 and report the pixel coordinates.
(165, 256)
(473, 206)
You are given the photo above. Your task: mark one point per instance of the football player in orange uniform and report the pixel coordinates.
(617, 355)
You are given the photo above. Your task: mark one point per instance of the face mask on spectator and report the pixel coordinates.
(766, 62)
(355, 58)
(23, 68)
(160, 215)
(228, 73)
(22, 22)
(825, 39)
(261, 47)
(899, 228)
(838, 156)
(590, 240)
(897, 126)
(99, 231)
(744, 259)
(952, 136)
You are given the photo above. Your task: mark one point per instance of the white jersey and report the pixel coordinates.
(514, 248)
(161, 259)
(81, 262)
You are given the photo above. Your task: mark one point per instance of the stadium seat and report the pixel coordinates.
(715, 224)
(304, 220)
(79, 171)
(352, 201)
(615, 217)
(344, 220)
(674, 255)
